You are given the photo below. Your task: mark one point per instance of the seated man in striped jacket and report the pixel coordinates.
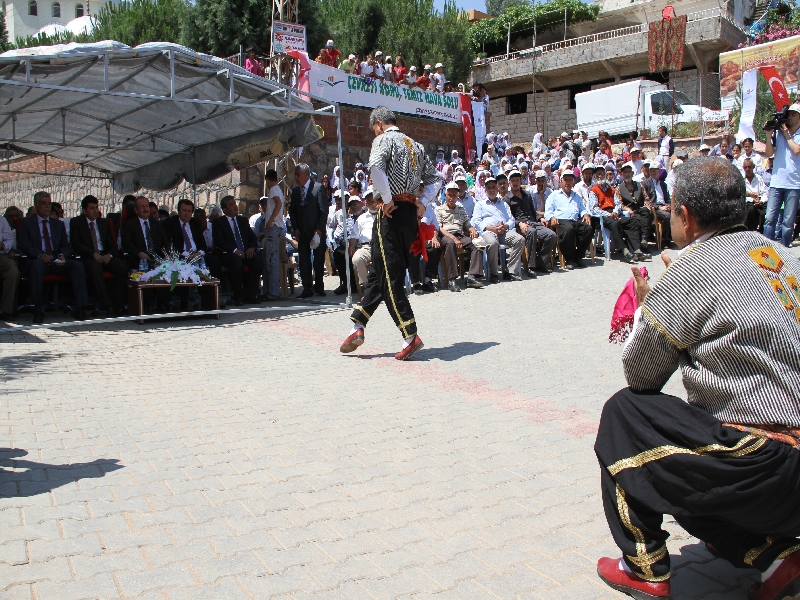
(725, 463)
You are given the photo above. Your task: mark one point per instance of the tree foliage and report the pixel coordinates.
(4, 43)
(140, 21)
(490, 35)
(411, 28)
(498, 7)
(219, 27)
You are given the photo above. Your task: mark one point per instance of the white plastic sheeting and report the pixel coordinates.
(151, 116)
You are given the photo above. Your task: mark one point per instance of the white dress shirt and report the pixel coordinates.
(364, 227)
(207, 235)
(756, 186)
(6, 236)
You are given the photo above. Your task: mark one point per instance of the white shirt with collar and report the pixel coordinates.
(364, 225)
(93, 225)
(7, 237)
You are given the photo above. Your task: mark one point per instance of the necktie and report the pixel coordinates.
(94, 236)
(303, 195)
(235, 227)
(187, 242)
(48, 247)
(148, 237)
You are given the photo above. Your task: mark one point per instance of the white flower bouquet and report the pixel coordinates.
(174, 269)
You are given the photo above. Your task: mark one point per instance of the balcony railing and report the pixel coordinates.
(711, 13)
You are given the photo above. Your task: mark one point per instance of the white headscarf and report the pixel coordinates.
(538, 144)
(335, 183)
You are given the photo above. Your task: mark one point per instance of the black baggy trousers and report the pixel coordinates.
(386, 278)
(660, 455)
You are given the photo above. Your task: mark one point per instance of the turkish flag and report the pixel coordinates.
(776, 86)
(466, 123)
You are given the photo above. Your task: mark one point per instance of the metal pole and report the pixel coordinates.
(349, 301)
(565, 24)
(508, 41)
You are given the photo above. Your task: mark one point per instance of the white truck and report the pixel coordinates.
(633, 106)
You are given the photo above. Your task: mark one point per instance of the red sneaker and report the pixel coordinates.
(406, 352)
(783, 583)
(622, 581)
(353, 341)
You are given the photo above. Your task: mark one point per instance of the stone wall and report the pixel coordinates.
(547, 112)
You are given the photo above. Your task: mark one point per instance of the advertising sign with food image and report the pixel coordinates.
(784, 55)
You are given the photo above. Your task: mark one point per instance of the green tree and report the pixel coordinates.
(219, 27)
(317, 32)
(4, 43)
(498, 7)
(140, 21)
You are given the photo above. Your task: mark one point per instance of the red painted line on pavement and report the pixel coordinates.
(538, 410)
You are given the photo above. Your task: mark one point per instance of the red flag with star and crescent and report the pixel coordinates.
(776, 86)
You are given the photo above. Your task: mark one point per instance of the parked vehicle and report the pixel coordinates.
(633, 106)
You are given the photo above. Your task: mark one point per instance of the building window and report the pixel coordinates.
(78, 11)
(517, 104)
(56, 10)
(32, 8)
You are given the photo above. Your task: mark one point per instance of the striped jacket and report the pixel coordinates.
(727, 313)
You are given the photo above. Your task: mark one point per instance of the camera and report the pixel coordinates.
(778, 118)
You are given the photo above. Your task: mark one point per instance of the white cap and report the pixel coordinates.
(627, 165)
(427, 67)
(676, 163)
(352, 57)
(378, 53)
(514, 173)
(564, 134)
(329, 44)
(586, 165)
(388, 59)
(704, 147)
(451, 186)
(566, 172)
(368, 192)
(337, 193)
(795, 107)
(540, 174)
(460, 177)
(413, 68)
(439, 66)
(490, 178)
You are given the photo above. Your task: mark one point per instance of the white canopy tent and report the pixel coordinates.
(149, 116)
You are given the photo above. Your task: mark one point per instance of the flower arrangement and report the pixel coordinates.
(173, 268)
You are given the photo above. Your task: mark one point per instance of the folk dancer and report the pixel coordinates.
(398, 165)
(725, 463)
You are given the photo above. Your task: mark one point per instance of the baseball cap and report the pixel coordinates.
(427, 67)
(378, 53)
(587, 166)
(567, 173)
(514, 173)
(564, 134)
(682, 154)
(451, 186)
(627, 165)
(540, 174)
(329, 44)
(676, 163)
(439, 66)
(352, 57)
(368, 192)
(460, 177)
(795, 107)
(704, 147)
(610, 167)
(413, 68)
(337, 193)
(388, 59)
(354, 199)
(488, 179)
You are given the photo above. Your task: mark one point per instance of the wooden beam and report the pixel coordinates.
(542, 82)
(612, 69)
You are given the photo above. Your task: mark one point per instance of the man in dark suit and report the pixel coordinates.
(183, 234)
(93, 242)
(44, 241)
(142, 235)
(239, 245)
(308, 211)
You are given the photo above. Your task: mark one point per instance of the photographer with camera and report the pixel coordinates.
(784, 187)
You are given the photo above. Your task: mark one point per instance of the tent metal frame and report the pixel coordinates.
(230, 70)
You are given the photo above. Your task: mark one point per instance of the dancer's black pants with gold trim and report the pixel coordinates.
(386, 279)
(659, 455)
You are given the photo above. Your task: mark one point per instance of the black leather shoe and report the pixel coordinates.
(306, 294)
(493, 279)
(474, 283)
(453, 286)
(513, 277)
(530, 273)
(340, 290)
(38, 317)
(418, 289)
(79, 315)
(429, 287)
(320, 293)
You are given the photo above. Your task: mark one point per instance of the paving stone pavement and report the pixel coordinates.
(247, 458)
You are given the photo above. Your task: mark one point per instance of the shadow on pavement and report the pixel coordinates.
(696, 574)
(40, 478)
(22, 365)
(448, 353)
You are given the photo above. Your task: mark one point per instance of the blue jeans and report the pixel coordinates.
(788, 199)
